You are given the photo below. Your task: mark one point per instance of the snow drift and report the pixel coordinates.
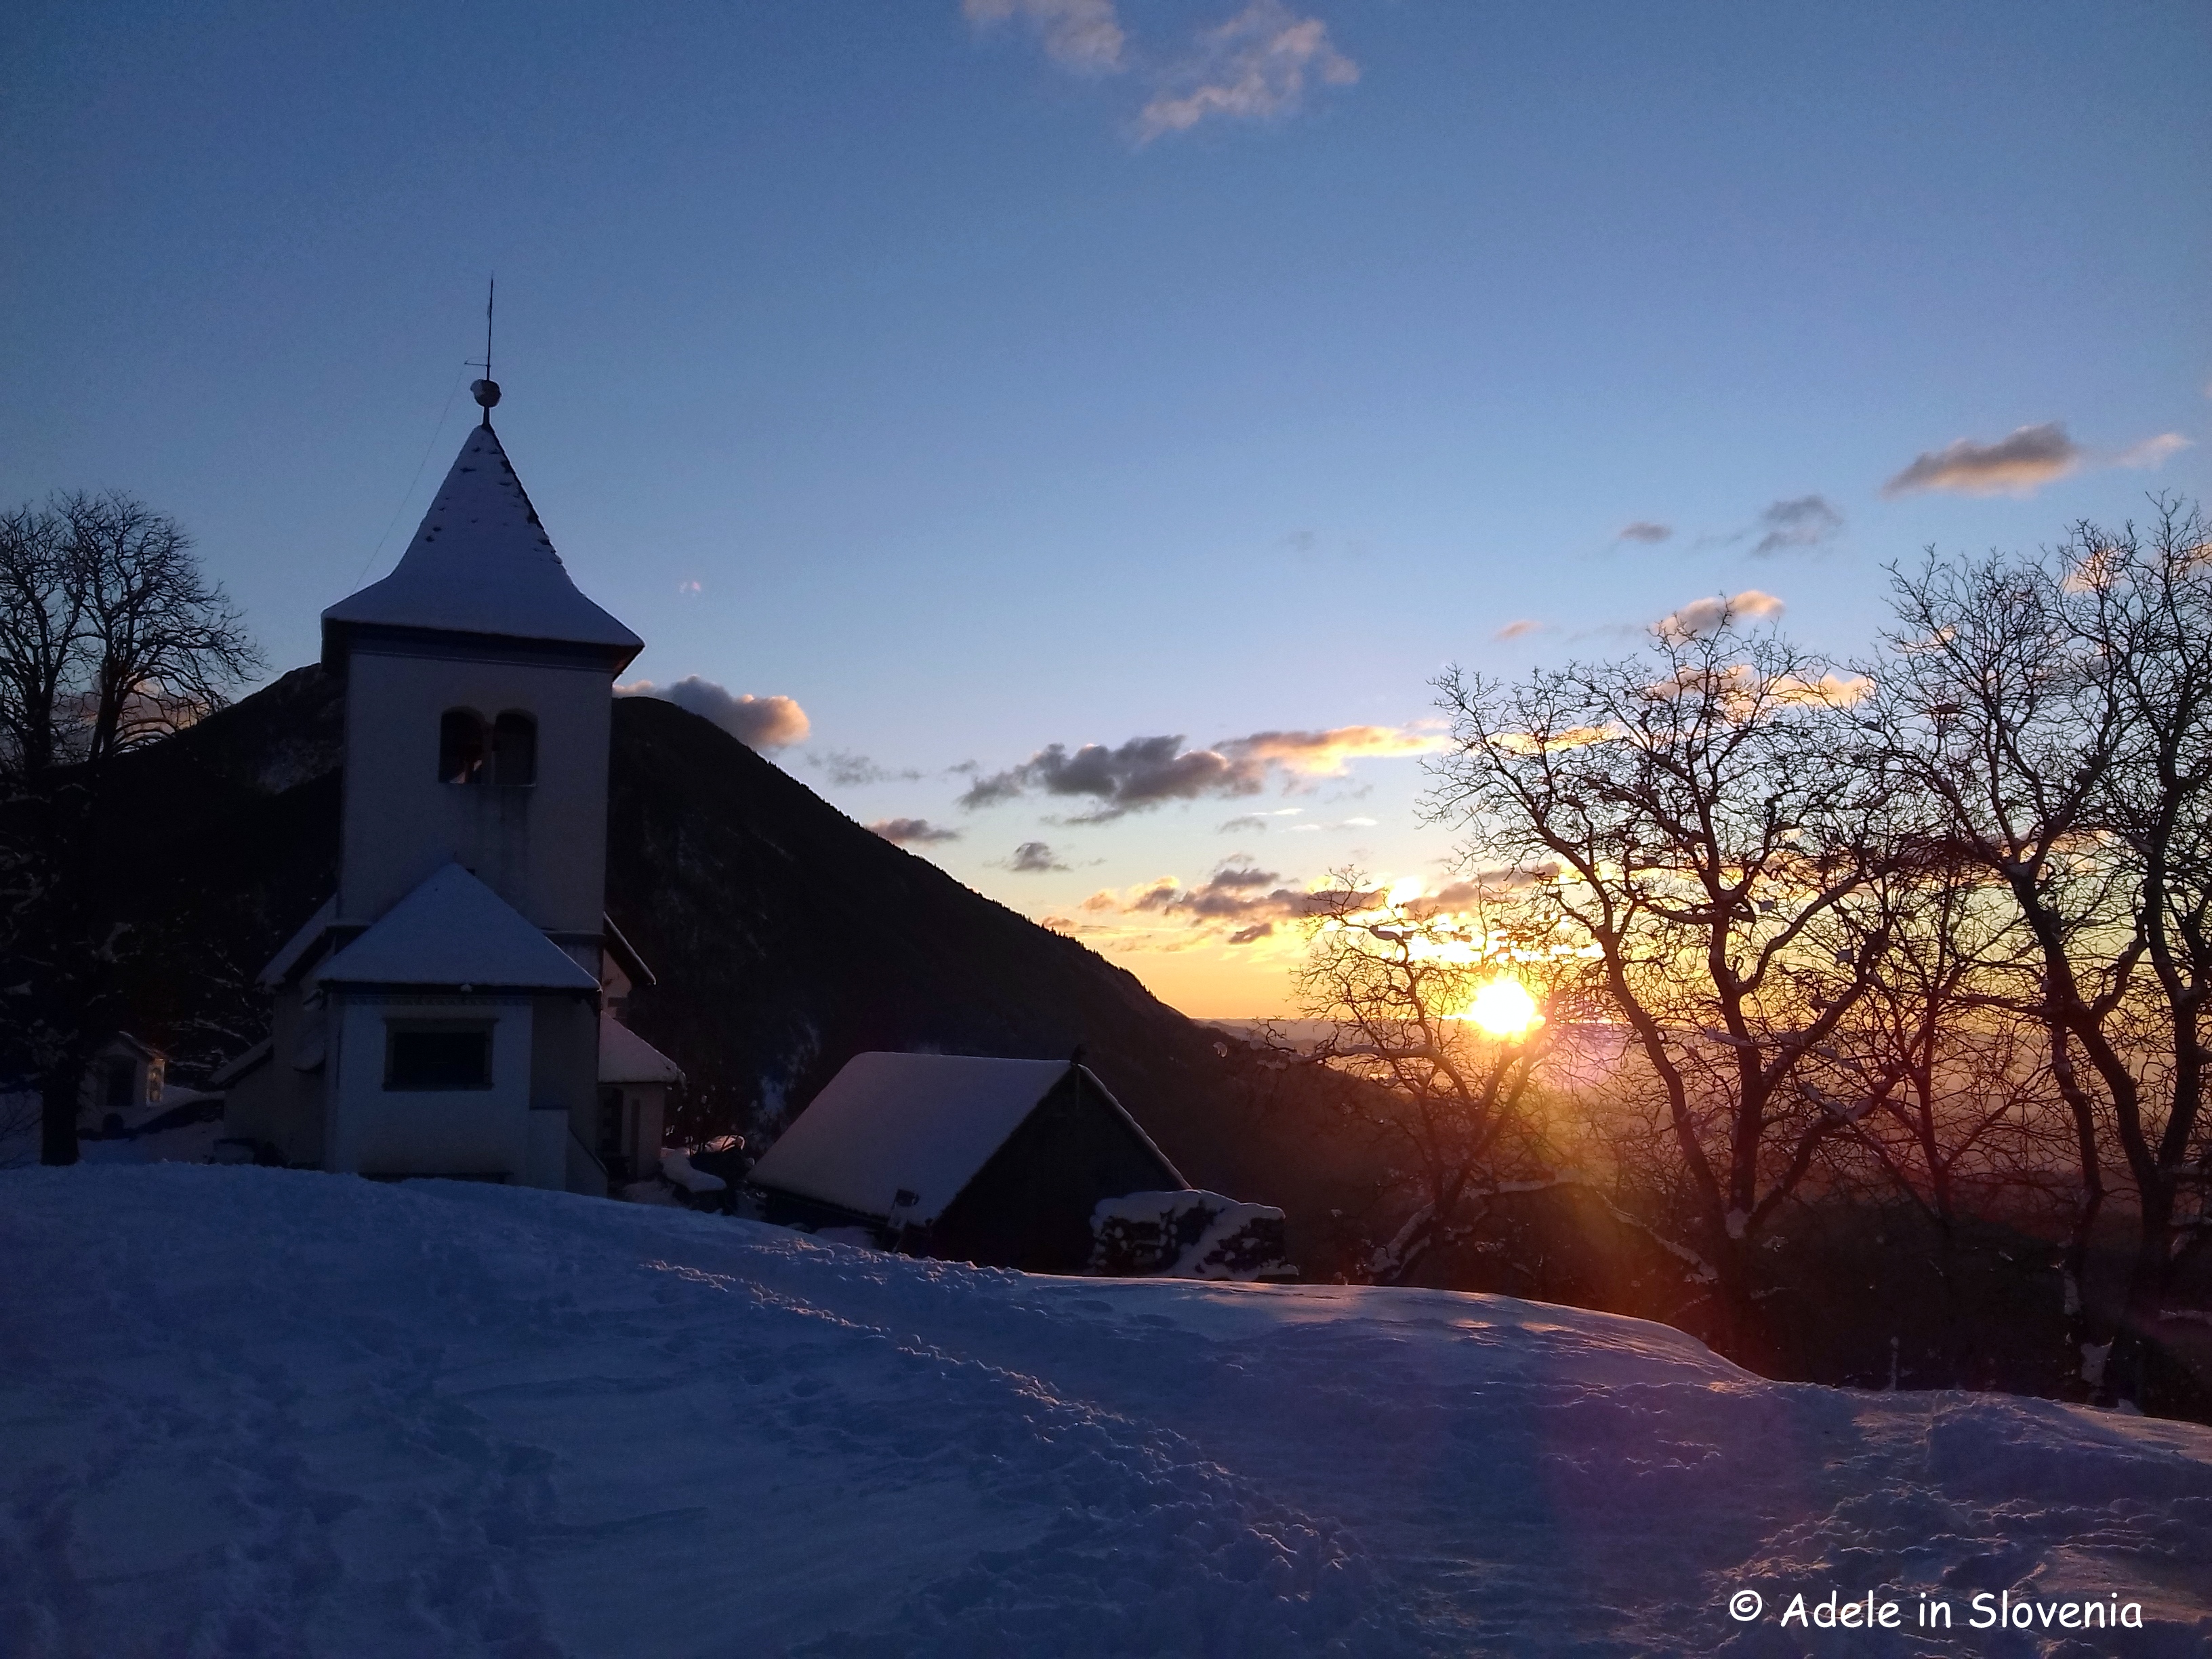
(251, 1410)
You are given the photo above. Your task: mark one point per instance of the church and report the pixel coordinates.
(451, 1009)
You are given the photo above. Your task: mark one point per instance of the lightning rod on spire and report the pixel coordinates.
(486, 391)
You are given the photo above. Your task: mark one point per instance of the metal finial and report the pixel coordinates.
(486, 391)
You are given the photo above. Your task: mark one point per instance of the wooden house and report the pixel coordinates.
(996, 1162)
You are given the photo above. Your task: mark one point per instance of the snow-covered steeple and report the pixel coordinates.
(481, 564)
(440, 1014)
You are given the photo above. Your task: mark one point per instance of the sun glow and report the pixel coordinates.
(1504, 1008)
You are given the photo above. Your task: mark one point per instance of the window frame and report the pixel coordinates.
(395, 1029)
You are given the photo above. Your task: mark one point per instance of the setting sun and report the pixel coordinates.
(1504, 1008)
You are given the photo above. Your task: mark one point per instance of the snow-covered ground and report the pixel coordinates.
(251, 1410)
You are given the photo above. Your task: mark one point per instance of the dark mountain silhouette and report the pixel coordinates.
(785, 937)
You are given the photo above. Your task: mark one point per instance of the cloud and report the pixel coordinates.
(1258, 930)
(2152, 453)
(1514, 630)
(907, 832)
(2018, 465)
(1237, 892)
(1259, 820)
(1085, 36)
(1644, 530)
(756, 722)
(1235, 873)
(1034, 857)
(1253, 67)
(1146, 772)
(1323, 753)
(849, 770)
(1703, 616)
(1805, 521)
(1142, 772)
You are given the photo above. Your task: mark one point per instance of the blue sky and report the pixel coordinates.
(1084, 371)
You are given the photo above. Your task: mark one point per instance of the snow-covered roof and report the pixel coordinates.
(626, 1057)
(281, 964)
(625, 954)
(923, 1123)
(453, 930)
(482, 563)
(239, 1065)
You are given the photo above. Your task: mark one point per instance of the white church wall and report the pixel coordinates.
(565, 1069)
(548, 1149)
(541, 846)
(377, 1130)
(282, 1104)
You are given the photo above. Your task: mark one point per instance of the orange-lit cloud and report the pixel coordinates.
(1147, 772)
(1323, 753)
(756, 722)
(1702, 616)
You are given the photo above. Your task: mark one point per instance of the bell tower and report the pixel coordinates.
(478, 694)
(441, 1013)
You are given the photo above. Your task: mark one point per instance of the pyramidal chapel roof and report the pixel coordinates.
(453, 930)
(482, 563)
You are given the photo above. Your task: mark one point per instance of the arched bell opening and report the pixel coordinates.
(464, 747)
(514, 749)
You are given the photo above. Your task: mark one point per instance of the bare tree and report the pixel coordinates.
(1958, 1091)
(1717, 828)
(2059, 709)
(110, 638)
(41, 639)
(1397, 982)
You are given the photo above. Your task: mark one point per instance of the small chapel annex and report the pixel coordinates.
(447, 1012)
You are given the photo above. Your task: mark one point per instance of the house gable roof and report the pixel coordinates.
(453, 930)
(922, 1123)
(481, 564)
(288, 960)
(626, 1057)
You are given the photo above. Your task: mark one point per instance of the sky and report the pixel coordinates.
(1072, 435)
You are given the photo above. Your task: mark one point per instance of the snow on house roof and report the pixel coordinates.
(239, 1065)
(482, 563)
(921, 1123)
(453, 930)
(281, 964)
(626, 1057)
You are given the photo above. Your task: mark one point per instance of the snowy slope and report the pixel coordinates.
(256, 1411)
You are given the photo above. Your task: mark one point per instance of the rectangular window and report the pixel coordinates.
(443, 1056)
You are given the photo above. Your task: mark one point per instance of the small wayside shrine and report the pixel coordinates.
(445, 1012)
